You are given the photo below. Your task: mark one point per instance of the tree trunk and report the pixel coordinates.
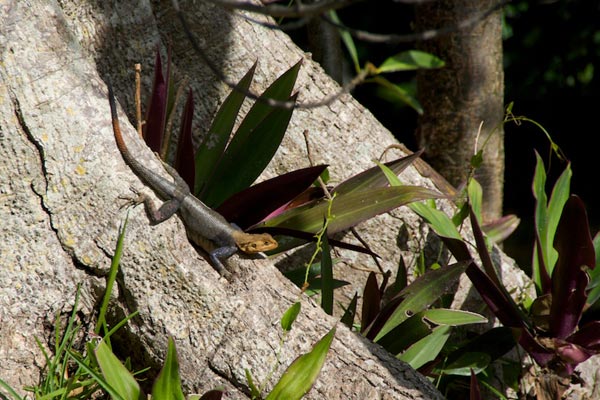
(467, 92)
(61, 176)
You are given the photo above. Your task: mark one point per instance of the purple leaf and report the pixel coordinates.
(371, 301)
(184, 163)
(588, 336)
(157, 109)
(475, 393)
(252, 205)
(573, 242)
(503, 306)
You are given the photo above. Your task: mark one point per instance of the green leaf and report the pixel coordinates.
(326, 277)
(167, 385)
(115, 373)
(350, 312)
(467, 361)
(442, 316)
(439, 221)
(349, 209)
(300, 376)
(347, 40)
(426, 349)
(501, 228)
(244, 160)
(83, 364)
(213, 146)
(374, 177)
(420, 294)
(475, 198)
(254, 391)
(410, 60)
(290, 315)
(547, 216)
(594, 285)
(423, 324)
(397, 92)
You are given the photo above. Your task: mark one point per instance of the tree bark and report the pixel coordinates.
(467, 92)
(61, 176)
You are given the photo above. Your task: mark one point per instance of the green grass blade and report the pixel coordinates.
(114, 394)
(112, 276)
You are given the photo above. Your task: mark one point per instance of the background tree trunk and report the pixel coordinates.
(469, 90)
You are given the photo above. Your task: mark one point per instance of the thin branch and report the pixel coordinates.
(419, 36)
(296, 10)
(270, 102)
(286, 26)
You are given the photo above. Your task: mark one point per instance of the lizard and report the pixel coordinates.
(205, 227)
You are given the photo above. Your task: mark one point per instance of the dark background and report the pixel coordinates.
(552, 68)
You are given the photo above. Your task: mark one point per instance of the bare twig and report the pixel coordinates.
(418, 36)
(271, 102)
(138, 99)
(295, 10)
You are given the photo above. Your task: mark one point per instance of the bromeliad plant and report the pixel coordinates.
(226, 163)
(564, 256)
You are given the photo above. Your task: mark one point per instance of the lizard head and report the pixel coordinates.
(254, 242)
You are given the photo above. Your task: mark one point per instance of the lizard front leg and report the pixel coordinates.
(155, 214)
(222, 253)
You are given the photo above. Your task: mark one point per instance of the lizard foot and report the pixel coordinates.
(132, 200)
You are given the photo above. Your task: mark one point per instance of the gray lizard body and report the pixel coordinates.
(204, 226)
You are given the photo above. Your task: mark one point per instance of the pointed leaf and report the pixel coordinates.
(351, 208)
(422, 324)
(466, 363)
(300, 376)
(290, 315)
(474, 392)
(398, 93)
(213, 146)
(184, 162)
(167, 385)
(410, 60)
(115, 373)
(374, 177)
(426, 349)
(503, 307)
(252, 205)
(326, 277)
(350, 312)
(371, 304)
(575, 250)
(280, 89)
(499, 229)
(247, 156)
(157, 108)
(588, 336)
(212, 395)
(420, 294)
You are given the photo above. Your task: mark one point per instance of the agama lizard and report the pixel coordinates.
(205, 227)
